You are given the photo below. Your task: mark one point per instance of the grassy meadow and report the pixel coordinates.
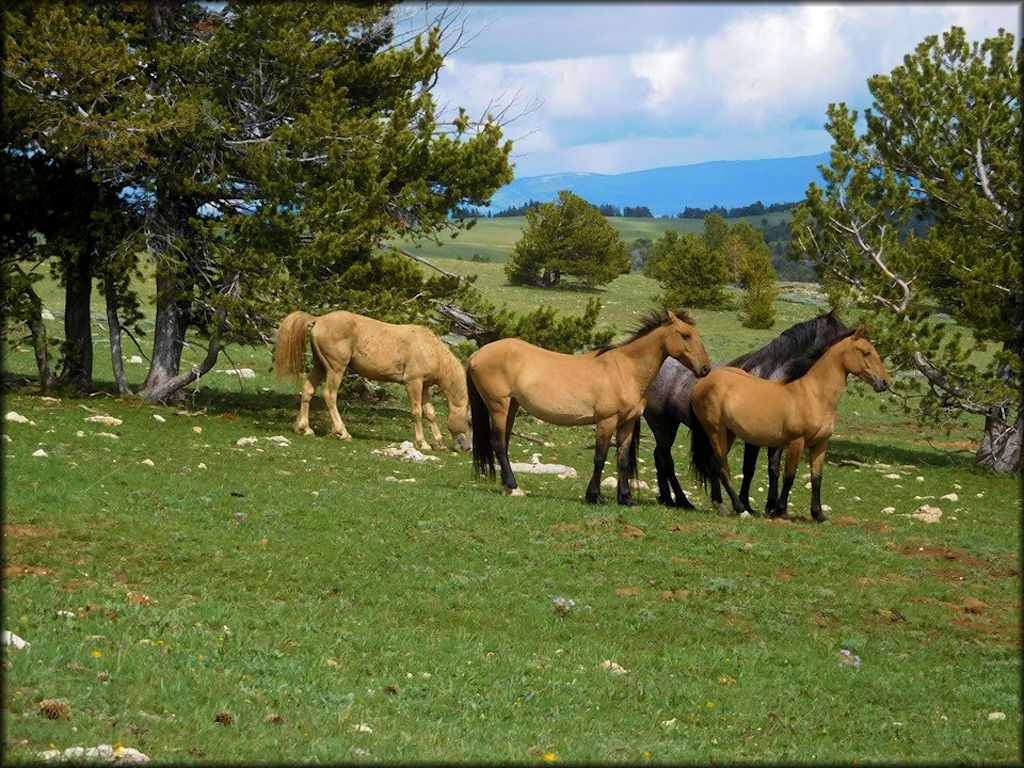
(201, 584)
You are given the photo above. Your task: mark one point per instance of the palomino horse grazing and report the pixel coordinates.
(408, 354)
(607, 388)
(786, 357)
(731, 403)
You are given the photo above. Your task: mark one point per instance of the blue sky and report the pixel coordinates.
(617, 87)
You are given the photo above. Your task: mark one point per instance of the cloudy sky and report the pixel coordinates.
(610, 87)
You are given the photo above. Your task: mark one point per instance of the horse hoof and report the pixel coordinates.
(516, 492)
(340, 436)
(595, 500)
(629, 501)
(821, 519)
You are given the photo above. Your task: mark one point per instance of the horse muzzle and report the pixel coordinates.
(880, 385)
(463, 442)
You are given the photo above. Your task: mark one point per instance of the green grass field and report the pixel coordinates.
(492, 239)
(197, 588)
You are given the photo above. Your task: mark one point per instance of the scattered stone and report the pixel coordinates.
(242, 373)
(47, 315)
(159, 418)
(361, 728)
(927, 514)
(543, 469)
(614, 668)
(197, 430)
(888, 510)
(110, 421)
(951, 497)
(11, 640)
(996, 715)
(104, 752)
(149, 462)
(280, 440)
(405, 451)
(894, 476)
(16, 417)
(135, 360)
(41, 454)
(107, 434)
(243, 441)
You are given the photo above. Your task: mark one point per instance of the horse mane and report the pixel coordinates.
(781, 353)
(654, 318)
(802, 363)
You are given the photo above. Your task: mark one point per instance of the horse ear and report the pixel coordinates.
(670, 313)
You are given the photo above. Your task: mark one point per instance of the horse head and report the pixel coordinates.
(685, 345)
(862, 361)
(460, 426)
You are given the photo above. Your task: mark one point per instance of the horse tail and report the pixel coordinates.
(290, 346)
(702, 455)
(483, 450)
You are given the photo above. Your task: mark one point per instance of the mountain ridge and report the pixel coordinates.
(667, 190)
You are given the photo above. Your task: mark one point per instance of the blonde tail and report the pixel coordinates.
(291, 345)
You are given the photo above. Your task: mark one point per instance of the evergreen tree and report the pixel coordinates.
(568, 237)
(942, 140)
(691, 274)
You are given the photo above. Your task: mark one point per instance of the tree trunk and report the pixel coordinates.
(170, 386)
(77, 363)
(168, 339)
(1000, 448)
(114, 324)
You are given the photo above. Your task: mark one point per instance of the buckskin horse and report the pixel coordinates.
(795, 415)
(606, 387)
(668, 402)
(412, 355)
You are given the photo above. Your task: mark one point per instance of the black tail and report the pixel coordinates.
(483, 451)
(702, 456)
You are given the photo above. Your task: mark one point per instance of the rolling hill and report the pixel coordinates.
(667, 191)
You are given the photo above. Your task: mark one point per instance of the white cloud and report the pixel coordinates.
(625, 87)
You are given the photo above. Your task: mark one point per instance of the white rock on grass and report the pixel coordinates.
(40, 454)
(536, 467)
(103, 753)
(242, 373)
(927, 514)
(110, 421)
(47, 315)
(614, 668)
(11, 640)
(16, 418)
(405, 451)
(135, 360)
(159, 418)
(889, 510)
(149, 462)
(951, 497)
(280, 440)
(243, 441)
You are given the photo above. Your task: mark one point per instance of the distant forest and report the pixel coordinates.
(643, 212)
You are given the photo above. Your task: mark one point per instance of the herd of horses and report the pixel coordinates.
(782, 396)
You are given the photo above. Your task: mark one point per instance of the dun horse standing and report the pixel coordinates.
(786, 357)
(408, 354)
(607, 387)
(731, 403)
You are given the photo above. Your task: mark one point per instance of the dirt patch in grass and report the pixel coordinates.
(945, 553)
(868, 525)
(14, 531)
(15, 571)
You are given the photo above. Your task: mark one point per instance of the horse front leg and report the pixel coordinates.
(415, 389)
(603, 440)
(774, 463)
(331, 385)
(750, 452)
(437, 439)
(793, 452)
(669, 492)
(816, 456)
(502, 420)
(316, 375)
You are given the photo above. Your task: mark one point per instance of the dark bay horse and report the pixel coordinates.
(668, 402)
(412, 355)
(795, 415)
(606, 387)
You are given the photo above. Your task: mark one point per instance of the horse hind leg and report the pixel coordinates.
(721, 443)
(331, 386)
(624, 460)
(313, 379)
(750, 452)
(502, 420)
